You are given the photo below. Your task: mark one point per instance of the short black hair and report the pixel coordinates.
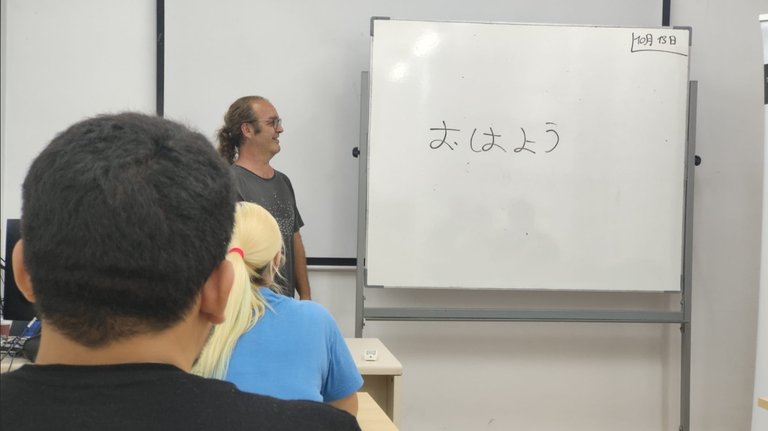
(124, 217)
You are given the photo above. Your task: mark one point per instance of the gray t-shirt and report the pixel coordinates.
(276, 196)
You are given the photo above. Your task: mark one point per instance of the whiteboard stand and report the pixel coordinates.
(681, 317)
(685, 325)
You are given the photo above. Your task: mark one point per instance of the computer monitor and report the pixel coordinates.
(15, 305)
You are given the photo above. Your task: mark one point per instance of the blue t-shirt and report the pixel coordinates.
(295, 352)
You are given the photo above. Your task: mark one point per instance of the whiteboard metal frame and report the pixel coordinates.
(681, 317)
(373, 270)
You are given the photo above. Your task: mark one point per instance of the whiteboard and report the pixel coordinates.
(513, 156)
(306, 57)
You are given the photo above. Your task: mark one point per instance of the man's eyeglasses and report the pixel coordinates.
(274, 122)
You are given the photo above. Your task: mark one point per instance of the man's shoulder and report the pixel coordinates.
(241, 172)
(276, 414)
(282, 176)
(245, 176)
(188, 402)
(8, 383)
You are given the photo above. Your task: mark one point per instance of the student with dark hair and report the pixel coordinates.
(125, 223)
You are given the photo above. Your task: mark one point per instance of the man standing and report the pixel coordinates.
(248, 141)
(125, 224)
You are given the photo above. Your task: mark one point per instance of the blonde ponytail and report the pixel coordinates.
(257, 237)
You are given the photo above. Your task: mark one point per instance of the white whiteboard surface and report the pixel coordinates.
(306, 57)
(599, 206)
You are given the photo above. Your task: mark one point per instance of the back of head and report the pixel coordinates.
(257, 235)
(124, 217)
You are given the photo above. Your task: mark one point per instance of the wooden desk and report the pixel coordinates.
(762, 402)
(370, 416)
(381, 378)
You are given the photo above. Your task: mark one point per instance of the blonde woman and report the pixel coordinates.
(271, 344)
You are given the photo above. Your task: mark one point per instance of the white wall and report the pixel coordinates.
(3, 32)
(65, 61)
(726, 60)
(69, 60)
(760, 416)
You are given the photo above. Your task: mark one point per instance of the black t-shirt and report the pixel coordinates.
(148, 397)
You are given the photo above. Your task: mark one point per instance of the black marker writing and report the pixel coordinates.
(445, 130)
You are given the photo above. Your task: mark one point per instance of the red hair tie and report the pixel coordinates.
(238, 251)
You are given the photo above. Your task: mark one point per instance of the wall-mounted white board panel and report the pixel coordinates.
(526, 156)
(63, 62)
(306, 57)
